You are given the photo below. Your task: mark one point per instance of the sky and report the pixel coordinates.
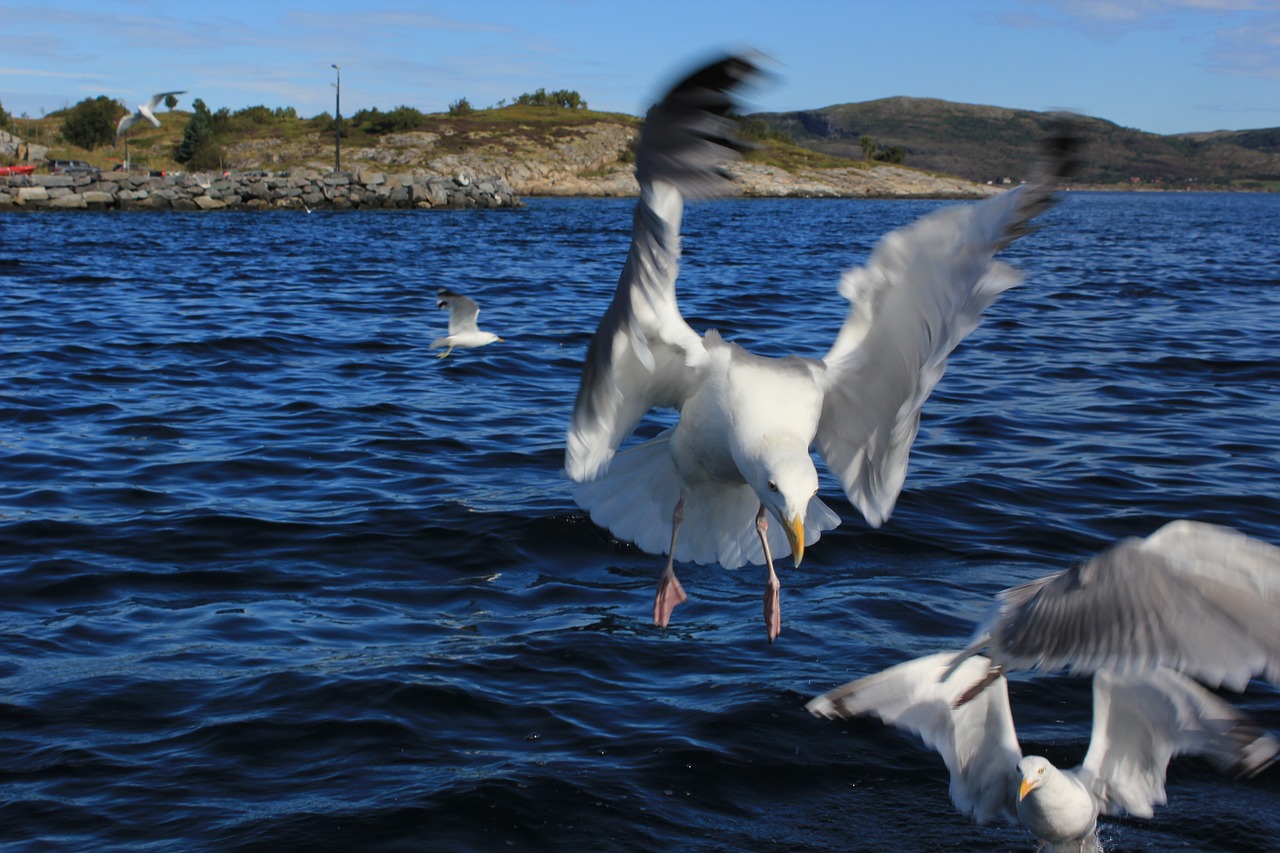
(1163, 66)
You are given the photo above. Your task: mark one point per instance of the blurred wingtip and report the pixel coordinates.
(690, 132)
(1062, 144)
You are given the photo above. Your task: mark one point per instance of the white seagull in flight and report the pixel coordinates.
(703, 490)
(463, 331)
(145, 112)
(1140, 721)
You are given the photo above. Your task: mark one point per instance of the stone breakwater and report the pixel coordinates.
(300, 189)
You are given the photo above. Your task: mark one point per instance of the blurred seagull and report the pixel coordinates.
(1199, 598)
(703, 490)
(145, 112)
(1140, 721)
(463, 331)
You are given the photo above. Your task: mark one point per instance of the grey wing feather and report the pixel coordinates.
(977, 741)
(1211, 550)
(1142, 720)
(1145, 603)
(922, 291)
(463, 311)
(644, 354)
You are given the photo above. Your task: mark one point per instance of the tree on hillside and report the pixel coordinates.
(461, 107)
(402, 118)
(170, 101)
(199, 148)
(891, 154)
(566, 98)
(92, 122)
(872, 150)
(569, 99)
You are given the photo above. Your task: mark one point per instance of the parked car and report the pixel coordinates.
(72, 167)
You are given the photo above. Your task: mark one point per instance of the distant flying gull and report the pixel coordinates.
(463, 331)
(702, 491)
(1140, 721)
(1199, 598)
(145, 111)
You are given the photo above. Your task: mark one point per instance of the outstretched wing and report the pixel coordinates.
(977, 741)
(1140, 721)
(125, 123)
(463, 311)
(158, 98)
(644, 354)
(919, 295)
(1202, 599)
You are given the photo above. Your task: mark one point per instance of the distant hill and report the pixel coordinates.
(984, 143)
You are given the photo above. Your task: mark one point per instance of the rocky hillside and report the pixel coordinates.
(589, 159)
(985, 143)
(537, 151)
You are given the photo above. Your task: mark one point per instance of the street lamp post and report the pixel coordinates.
(337, 119)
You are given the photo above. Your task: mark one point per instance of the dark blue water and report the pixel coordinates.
(274, 577)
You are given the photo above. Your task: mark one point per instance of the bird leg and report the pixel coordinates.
(772, 605)
(670, 593)
(982, 684)
(446, 352)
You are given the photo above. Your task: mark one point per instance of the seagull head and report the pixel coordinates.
(785, 480)
(1034, 770)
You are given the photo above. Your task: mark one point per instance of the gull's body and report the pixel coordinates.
(1140, 721)
(739, 457)
(144, 112)
(1199, 598)
(463, 331)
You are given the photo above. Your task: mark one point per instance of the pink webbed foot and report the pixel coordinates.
(670, 593)
(772, 608)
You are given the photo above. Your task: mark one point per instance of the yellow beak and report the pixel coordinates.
(1024, 788)
(795, 536)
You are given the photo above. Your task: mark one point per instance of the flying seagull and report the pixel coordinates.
(1140, 721)
(1200, 598)
(704, 490)
(145, 112)
(463, 331)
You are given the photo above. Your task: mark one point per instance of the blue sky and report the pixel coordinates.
(1164, 66)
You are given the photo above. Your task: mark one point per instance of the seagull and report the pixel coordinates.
(145, 112)
(463, 331)
(709, 489)
(1200, 598)
(1140, 721)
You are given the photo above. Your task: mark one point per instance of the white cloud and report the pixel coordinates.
(1109, 18)
(1249, 51)
(37, 72)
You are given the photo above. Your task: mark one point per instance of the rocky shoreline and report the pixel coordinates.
(422, 169)
(301, 189)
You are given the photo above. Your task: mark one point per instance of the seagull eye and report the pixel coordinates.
(1040, 771)
(773, 487)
